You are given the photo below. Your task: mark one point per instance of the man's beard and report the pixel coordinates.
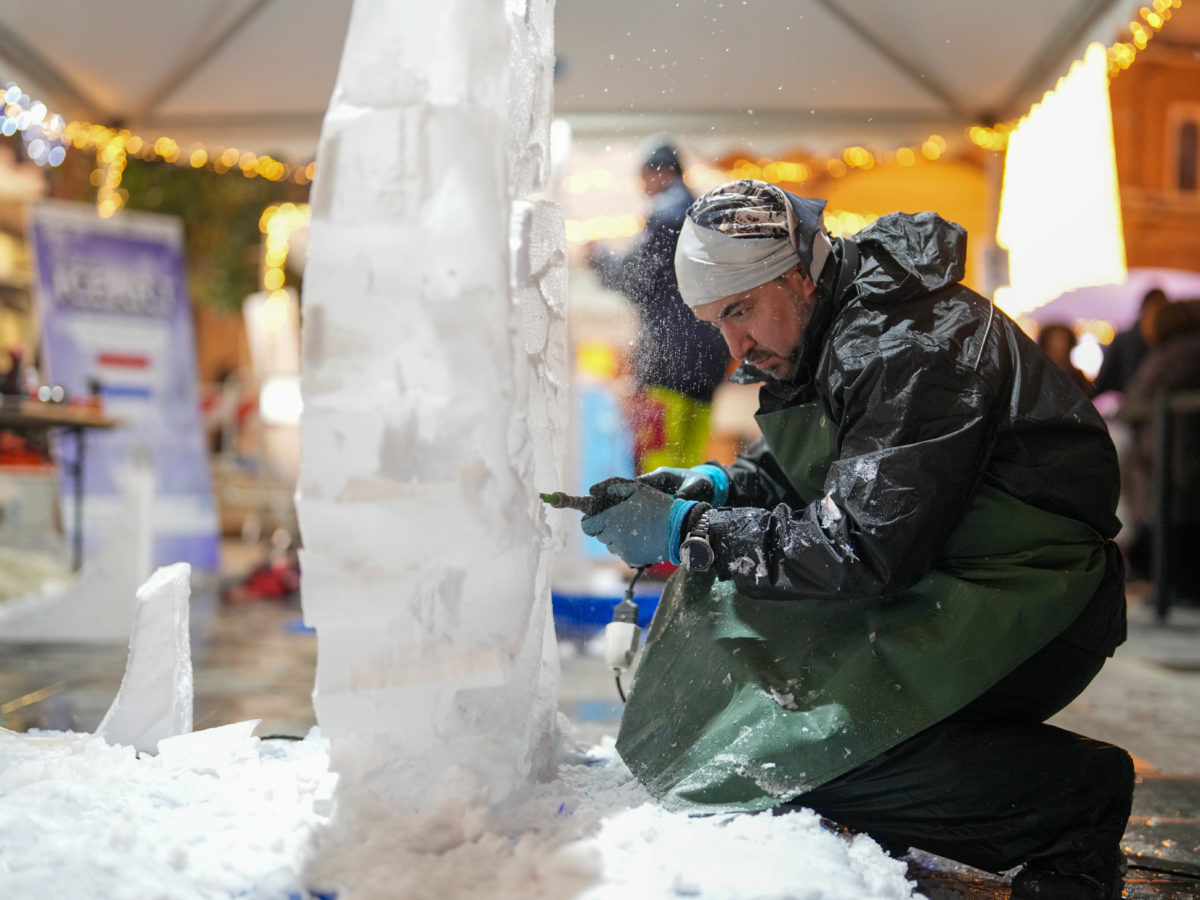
(787, 374)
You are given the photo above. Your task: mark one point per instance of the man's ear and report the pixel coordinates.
(797, 279)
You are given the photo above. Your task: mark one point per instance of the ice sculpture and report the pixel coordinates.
(433, 374)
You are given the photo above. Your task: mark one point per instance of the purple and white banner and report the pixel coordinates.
(114, 312)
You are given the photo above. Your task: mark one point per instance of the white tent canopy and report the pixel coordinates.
(257, 74)
(829, 72)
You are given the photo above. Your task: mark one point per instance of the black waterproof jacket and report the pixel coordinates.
(934, 391)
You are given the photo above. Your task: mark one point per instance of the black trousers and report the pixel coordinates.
(993, 786)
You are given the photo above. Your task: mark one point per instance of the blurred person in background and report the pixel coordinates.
(1171, 364)
(1057, 340)
(677, 361)
(1121, 360)
(1128, 347)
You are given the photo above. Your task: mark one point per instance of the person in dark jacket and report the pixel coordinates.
(1122, 358)
(677, 361)
(1171, 365)
(1128, 347)
(881, 603)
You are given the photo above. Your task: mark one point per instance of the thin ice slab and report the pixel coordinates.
(155, 697)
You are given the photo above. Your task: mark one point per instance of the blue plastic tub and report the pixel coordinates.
(580, 617)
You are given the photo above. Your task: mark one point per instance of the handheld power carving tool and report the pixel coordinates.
(623, 634)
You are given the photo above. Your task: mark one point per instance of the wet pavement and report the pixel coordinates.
(256, 660)
(251, 661)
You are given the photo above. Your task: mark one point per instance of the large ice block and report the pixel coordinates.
(434, 366)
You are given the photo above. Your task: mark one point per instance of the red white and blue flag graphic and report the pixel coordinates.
(116, 320)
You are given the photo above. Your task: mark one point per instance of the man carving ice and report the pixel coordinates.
(883, 600)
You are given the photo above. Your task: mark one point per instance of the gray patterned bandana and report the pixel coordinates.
(744, 233)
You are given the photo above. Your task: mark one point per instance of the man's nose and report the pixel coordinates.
(737, 339)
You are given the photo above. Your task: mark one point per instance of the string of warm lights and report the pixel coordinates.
(838, 222)
(278, 222)
(856, 157)
(1120, 56)
(48, 137)
(40, 129)
(112, 147)
(701, 177)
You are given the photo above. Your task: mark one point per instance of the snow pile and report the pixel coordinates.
(650, 853)
(219, 814)
(593, 833)
(216, 813)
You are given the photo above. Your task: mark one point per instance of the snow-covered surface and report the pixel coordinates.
(219, 813)
(214, 814)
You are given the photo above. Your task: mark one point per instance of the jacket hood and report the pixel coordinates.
(905, 256)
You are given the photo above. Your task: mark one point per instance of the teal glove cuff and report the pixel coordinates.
(719, 479)
(679, 511)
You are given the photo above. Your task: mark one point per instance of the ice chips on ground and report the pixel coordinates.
(216, 814)
(593, 834)
(219, 813)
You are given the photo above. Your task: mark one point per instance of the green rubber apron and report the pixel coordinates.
(741, 703)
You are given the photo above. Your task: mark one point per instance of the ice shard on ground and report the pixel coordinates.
(155, 697)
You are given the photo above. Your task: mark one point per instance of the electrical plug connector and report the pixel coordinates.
(622, 636)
